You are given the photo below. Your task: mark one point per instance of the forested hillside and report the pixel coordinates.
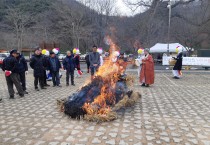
(25, 23)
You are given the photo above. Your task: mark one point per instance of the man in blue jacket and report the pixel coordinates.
(22, 70)
(69, 65)
(54, 67)
(9, 66)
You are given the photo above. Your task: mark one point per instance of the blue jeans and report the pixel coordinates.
(55, 78)
(93, 69)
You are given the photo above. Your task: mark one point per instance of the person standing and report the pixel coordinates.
(178, 66)
(22, 70)
(9, 66)
(37, 63)
(54, 67)
(46, 60)
(87, 62)
(69, 65)
(147, 70)
(122, 63)
(94, 59)
(139, 62)
(77, 63)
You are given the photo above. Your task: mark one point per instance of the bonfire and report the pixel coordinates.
(99, 99)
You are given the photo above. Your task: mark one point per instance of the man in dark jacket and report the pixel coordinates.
(69, 65)
(9, 66)
(94, 59)
(46, 63)
(37, 63)
(22, 70)
(54, 67)
(87, 62)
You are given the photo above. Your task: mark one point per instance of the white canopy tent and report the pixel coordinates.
(162, 48)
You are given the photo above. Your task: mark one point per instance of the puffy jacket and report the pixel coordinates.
(22, 64)
(69, 63)
(57, 64)
(10, 63)
(37, 63)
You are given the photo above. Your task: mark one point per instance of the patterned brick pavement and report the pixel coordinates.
(170, 112)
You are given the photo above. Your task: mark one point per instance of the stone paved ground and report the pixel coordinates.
(170, 112)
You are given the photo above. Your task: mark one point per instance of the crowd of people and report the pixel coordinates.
(15, 68)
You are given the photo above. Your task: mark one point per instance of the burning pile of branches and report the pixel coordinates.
(103, 96)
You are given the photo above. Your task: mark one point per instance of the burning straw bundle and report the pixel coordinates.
(105, 94)
(99, 100)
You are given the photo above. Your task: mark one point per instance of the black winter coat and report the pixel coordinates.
(57, 63)
(178, 64)
(38, 64)
(69, 63)
(10, 63)
(22, 64)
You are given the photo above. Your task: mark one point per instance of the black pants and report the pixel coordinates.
(45, 78)
(39, 80)
(55, 78)
(88, 66)
(23, 80)
(72, 76)
(14, 79)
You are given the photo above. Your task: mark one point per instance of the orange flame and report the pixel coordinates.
(109, 72)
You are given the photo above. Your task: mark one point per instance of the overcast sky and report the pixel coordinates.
(124, 10)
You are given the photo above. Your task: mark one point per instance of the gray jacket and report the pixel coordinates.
(94, 58)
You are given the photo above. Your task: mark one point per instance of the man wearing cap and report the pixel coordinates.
(9, 66)
(54, 67)
(94, 59)
(22, 70)
(37, 63)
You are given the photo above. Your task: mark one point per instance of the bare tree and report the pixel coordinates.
(18, 20)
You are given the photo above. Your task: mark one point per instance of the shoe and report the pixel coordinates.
(143, 84)
(59, 86)
(73, 84)
(46, 85)
(146, 85)
(176, 77)
(11, 97)
(36, 89)
(54, 85)
(0, 100)
(21, 95)
(25, 92)
(67, 84)
(43, 88)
